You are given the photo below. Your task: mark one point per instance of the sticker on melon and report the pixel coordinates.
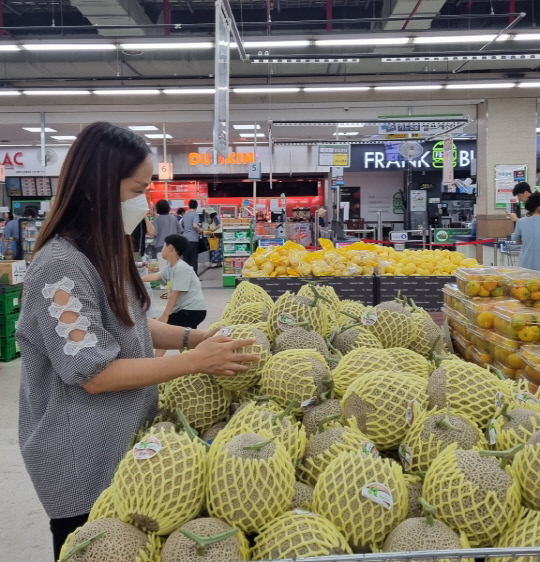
(409, 414)
(500, 400)
(304, 512)
(369, 318)
(226, 331)
(378, 493)
(368, 449)
(526, 398)
(307, 404)
(285, 321)
(405, 454)
(492, 433)
(146, 449)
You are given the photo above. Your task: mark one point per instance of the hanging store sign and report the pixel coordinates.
(230, 159)
(2, 174)
(386, 157)
(335, 155)
(449, 159)
(165, 171)
(222, 59)
(423, 129)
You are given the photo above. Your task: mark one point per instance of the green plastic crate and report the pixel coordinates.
(9, 349)
(8, 324)
(10, 299)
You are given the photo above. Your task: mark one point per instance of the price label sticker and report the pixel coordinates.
(146, 449)
(378, 493)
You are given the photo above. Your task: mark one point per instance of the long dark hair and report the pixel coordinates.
(87, 209)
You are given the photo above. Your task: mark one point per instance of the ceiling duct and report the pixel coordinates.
(409, 8)
(114, 12)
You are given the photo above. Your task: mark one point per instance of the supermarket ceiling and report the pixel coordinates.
(298, 44)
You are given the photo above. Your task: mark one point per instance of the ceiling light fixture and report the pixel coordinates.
(38, 130)
(314, 60)
(246, 127)
(190, 91)
(527, 37)
(349, 134)
(336, 89)
(448, 39)
(250, 142)
(367, 41)
(265, 90)
(268, 44)
(5, 47)
(158, 136)
(143, 128)
(458, 58)
(69, 47)
(127, 91)
(529, 85)
(56, 92)
(63, 137)
(502, 85)
(167, 46)
(251, 135)
(10, 93)
(404, 88)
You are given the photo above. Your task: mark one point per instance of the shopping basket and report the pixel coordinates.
(478, 554)
(214, 243)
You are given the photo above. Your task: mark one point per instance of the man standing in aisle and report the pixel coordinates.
(192, 232)
(522, 191)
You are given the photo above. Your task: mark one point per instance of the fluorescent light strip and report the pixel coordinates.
(127, 91)
(251, 135)
(527, 37)
(9, 93)
(529, 85)
(267, 44)
(250, 142)
(371, 41)
(17, 145)
(409, 88)
(69, 47)
(315, 60)
(63, 137)
(143, 128)
(5, 47)
(56, 92)
(480, 86)
(445, 40)
(190, 91)
(264, 90)
(348, 134)
(38, 130)
(337, 89)
(538, 130)
(167, 46)
(463, 58)
(246, 127)
(158, 136)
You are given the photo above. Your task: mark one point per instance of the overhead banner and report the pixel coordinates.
(426, 128)
(222, 59)
(506, 177)
(338, 155)
(448, 160)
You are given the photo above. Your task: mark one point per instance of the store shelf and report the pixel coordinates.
(245, 227)
(231, 274)
(237, 255)
(242, 241)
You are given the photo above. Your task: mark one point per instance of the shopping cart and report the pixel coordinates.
(477, 554)
(512, 251)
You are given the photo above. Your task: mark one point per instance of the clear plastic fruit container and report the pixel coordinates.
(482, 281)
(517, 322)
(479, 338)
(479, 311)
(462, 346)
(530, 354)
(507, 371)
(454, 298)
(505, 350)
(523, 285)
(456, 321)
(480, 357)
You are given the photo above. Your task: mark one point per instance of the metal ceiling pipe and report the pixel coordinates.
(412, 14)
(329, 15)
(512, 8)
(167, 16)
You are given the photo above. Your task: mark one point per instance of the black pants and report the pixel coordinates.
(187, 318)
(191, 255)
(61, 528)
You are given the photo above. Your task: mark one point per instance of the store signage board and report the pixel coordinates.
(335, 155)
(397, 236)
(165, 171)
(506, 177)
(337, 172)
(229, 159)
(2, 174)
(403, 136)
(448, 160)
(448, 235)
(254, 172)
(222, 67)
(424, 128)
(418, 200)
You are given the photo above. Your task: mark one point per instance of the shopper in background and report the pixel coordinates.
(213, 227)
(89, 379)
(186, 305)
(522, 191)
(528, 233)
(180, 216)
(138, 239)
(11, 236)
(192, 232)
(165, 224)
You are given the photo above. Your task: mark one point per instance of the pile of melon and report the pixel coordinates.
(355, 432)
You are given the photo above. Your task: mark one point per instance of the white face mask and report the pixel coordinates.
(133, 212)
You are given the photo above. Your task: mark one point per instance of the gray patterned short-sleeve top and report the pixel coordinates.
(71, 441)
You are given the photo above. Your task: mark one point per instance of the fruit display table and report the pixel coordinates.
(425, 290)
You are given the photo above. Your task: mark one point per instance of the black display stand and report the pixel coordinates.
(426, 291)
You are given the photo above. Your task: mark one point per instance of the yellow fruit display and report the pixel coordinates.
(249, 293)
(524, 533)
(481, 282)
(527, 469)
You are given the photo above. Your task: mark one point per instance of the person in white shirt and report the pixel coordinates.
(186, 306)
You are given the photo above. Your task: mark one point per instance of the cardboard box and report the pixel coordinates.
(12, 272)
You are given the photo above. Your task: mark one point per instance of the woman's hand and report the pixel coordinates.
(218, 356)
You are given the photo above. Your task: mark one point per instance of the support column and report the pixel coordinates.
(506, 135)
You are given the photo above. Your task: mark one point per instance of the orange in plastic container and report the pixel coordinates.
(517, 322)
(523, 284)
(479, 338)
(462, 346)
(530, 354)
(505, 351)
(482, 281)
(480, 357)
(456, 321)
(480, 310)
(454, 298)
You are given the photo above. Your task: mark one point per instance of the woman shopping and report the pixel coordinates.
(165, 225)
(213, 229)
(88, 379)
(528, 233)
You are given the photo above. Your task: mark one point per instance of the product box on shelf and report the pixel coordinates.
(483, 281)
(481, 357)
(12, 272)
(524, 285)
(238, 221)
(505, 350)
(456, 321)
(462, 346)
(507, 371)
(479, 338)
(426, 291)
(454, 298)
(530, 354)
(517, 322)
